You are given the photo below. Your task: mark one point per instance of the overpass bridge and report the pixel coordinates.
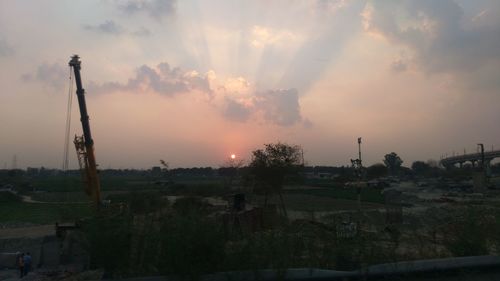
(474, 158)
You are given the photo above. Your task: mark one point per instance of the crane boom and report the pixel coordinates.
(85, 144)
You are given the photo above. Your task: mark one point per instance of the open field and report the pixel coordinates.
(39, 213)
(368, 194)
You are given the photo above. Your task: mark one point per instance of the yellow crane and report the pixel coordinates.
(85, 144)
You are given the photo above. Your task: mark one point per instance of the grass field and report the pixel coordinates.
(325, 196)
(110, 183)
(38, 213)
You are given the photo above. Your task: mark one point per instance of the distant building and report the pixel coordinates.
(156, 171)
(32, 171)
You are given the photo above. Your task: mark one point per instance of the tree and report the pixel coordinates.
(420, 168)
(376, 171)
(271, 165)
(393, 162)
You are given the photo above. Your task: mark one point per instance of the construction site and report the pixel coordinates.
(275, 218)
(304, 140)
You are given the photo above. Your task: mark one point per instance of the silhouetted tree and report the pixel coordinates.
(376, 171)
(271, 165)
(420, 167)
(393, 162)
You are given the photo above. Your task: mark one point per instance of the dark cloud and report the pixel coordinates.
(442, 38)
(142, 32)
(157, 9)
(163, 80)
(113, 28)
(5, 48)
(236, 111)
(54, 75)
(108, 27)
(280, 106)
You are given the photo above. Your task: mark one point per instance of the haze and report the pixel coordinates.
(192, 82)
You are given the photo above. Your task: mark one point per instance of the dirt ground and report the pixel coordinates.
(28, 232)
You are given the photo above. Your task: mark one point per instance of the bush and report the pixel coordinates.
(109, 242)
(6, 196)
(468, 236)
(190, 246)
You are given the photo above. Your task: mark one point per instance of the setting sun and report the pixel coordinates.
(233, 156)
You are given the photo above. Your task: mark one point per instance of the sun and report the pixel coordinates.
(233, 156)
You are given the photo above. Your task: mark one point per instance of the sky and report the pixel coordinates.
(192, 82)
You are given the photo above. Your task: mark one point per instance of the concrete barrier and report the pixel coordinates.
(8, 260)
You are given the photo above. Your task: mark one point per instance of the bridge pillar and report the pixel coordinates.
(487, 167)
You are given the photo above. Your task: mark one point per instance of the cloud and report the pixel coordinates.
(236, 110)
(442, 39)
(53, 75)
(112, 28)
(108, 27)
(264, 36)
(5, 48)
(280, 106)
(142, 32)
(328, 6)
(233, 97)
(157, 9)
(399, 66)
(162, 80)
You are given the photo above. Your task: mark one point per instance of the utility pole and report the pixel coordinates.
(483, 178)
(358, 169)
(359, 150)
(360, 174)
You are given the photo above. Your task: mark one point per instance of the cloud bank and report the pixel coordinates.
(53, 75)
(439, 34)
(158, 9)
(235, 98)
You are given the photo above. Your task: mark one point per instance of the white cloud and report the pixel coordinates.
(264, 36)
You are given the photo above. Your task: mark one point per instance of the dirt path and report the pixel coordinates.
(28, 199)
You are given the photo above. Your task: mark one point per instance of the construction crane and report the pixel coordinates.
(85, 144)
